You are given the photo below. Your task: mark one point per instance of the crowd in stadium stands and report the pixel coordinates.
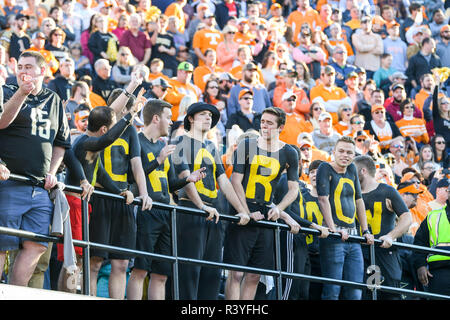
(327, 114)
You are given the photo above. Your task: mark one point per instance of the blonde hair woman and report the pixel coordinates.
(121, 71)
(227, 49)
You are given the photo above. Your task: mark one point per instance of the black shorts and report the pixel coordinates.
(249, 245)
(154, 236)
(112, 222)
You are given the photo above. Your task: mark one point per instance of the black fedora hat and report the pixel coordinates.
(201, 106)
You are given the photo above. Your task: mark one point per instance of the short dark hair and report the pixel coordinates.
(314, 165)
(345, 139)
(366, 162)
(86, 78)
(99, 117)
(82, 107)
(154, 107)
(75, 86)
(279, 113)
(116, 93)
(414, 6)
(426, 40)
(385, 55)
(40, 60)
(404, 103)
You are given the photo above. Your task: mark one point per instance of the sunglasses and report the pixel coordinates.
(58, 34)
(124, 54)
(317, 109)
(428, 168)
(397, 146)
(247, 98)
(360, 140)
(409, 107)
(358, 122)
(304, 149)
(378, 112)
(347, 109)
(291, 99)
(440, 142)
(231, 32)
(213, 87)
(281, 50)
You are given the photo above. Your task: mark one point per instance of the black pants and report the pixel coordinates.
(440, 282)
(198, 239)
(294, 259)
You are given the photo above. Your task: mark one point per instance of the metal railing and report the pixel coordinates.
(175, 259)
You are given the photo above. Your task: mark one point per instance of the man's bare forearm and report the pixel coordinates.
(11, 109)
(57, 158)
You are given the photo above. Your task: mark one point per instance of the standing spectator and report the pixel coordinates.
(203, 73)
(442, 195)
(102, 84)
(228, 48)
(426, 90)
(84, 39)
(439, 21)
(309, 53)
(340, 65)
(383, 130)
(351, 82)
(44, 142)
(383, 76)
(55, 44)
(56, 13)
(247, 245)
(226, 9)
(196, 20)
(250, 81)
(423, 62)
(181, 87)
(289, 85)
(207, 38)
(433, 270)
(84, 9)
(393, 106)
(410, 126)
(443, 48)
(246, 118)
(122, 25)
(341, 259)
(326, 137)
(73, 19)
(38, 41)
(441, 116)
(303, 14)
(175, 9)
(295, 124)
(163, 46)
(368, 47)
(99, 40)
(415, 19)
(136, 40)
(328, 94)
(121, 70)
(201, 238)
(388, 219)
(15, 40)
(64, 81)
(396, 47)
(336, 37)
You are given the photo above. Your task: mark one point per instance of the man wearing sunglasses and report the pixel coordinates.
(158, 89)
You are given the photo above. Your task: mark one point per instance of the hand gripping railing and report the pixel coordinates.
(175, 259)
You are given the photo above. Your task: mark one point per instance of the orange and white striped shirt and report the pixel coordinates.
(413, 127)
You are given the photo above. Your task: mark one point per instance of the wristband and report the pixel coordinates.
(366, 232)
(127, 94)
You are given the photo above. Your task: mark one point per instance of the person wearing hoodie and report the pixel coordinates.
(325, 138)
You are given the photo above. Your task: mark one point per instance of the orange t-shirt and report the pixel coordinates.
(174, 9)
(177, 93)
(206, 39)
(237, 73)
(297, 18)
(302, 104)
(332, 94)
(244, 38)
(96, 100)
(49, 57)
(407, 127)
(344, 43)
(420, 98)
(202, 73)
(295, 125)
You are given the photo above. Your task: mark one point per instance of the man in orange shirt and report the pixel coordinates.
(207, 38)
(304, 14)
(427, 86)
(202, 73)
(38, 42)
(243, 36)
(176, 9)
(294, 123)
(288, 85)
(325, 16)
(181, 87)
(328, 93)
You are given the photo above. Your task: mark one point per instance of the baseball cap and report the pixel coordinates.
(249, 66)
(325, 115)
(275, 6)
(21, 15)
(399, 74)
(161, 82)
(198, 107)
(360, 70)
(398, 85)
(288, 94)
(366, 18)
(303, 143)
(186, 66)
(226, 76)
(81, 115)
(352, 74)
(443, 183)
(417, 31)
(244, 92)
(328, 70)
(376, 107)
(395, 24)
(445, 28)
(360, 134)
(39, 35)
(208, 14)
(408, 187)
(409, 175)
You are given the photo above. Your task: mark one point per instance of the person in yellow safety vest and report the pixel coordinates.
(433, 270)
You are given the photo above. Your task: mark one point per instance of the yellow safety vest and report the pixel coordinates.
(439, 229)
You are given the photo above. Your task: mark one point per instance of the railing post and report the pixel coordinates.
(175, 288)
(86, 256)
(373, 263)
(279, 283)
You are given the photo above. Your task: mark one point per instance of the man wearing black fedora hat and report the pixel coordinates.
(200, 238)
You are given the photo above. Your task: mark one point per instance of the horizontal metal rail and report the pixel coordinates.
(263, 224)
